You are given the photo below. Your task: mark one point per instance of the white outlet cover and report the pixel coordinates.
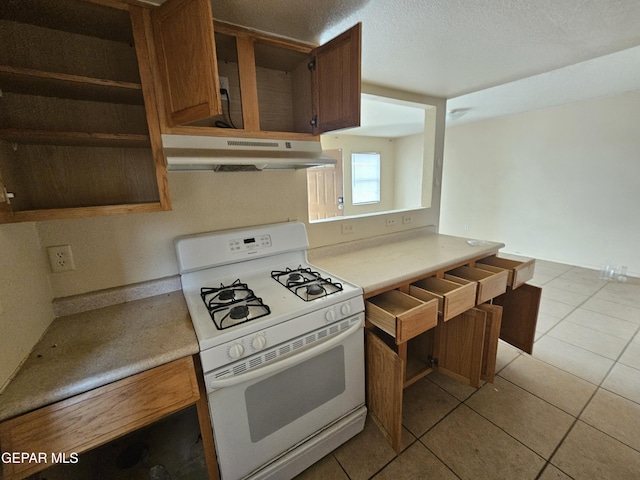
(61, 258)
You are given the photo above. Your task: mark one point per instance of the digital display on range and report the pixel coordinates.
(250, 245)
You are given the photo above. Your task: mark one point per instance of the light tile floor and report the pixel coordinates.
(572, 410)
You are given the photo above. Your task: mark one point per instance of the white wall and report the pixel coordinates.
(25, 295)
(561, 184)
(409, 155)
(126, 249)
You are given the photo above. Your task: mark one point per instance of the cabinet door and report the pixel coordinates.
(520, 315)
(185, 47)
(462, 343)
(491, 334)
(385, 371)
(335, 82)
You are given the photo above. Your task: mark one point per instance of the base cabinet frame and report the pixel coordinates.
(94, 418)
(463, 346)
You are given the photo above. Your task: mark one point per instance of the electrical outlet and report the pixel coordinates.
(224, 85)
(466, 227)
(407, 219)
(347, 229)
(391, 222)
(61, 258)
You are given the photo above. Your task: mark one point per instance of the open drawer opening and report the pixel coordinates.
(400, 315)
(518, 271)
(453, 297)
(489, 284)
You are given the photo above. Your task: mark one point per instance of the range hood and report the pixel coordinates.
(195, 152)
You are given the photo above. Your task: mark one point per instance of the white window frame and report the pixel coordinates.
(365, 178)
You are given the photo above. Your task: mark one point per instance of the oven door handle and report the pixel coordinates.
(287, 362)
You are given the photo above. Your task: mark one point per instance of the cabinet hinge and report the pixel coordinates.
(5, 197)
(314, 121)
(312, 64)
(433, 361)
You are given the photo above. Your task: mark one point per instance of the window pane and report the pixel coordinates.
(365, 174)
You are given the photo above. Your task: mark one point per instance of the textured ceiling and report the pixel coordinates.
(465, 49)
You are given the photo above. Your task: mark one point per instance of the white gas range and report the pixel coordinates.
(281, 345)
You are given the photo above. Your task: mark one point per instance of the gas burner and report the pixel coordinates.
(231, 305)
(315, 289)
(306, 283)
(226, 295)
(294, 277)
(238, 312)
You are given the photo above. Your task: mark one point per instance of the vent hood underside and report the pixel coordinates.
(191, 152)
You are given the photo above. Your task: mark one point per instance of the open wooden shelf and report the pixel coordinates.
(49, 137)
(84, 18)
(63, 85)
(79, 212)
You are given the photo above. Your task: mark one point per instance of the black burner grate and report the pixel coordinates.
(231, 305)
(307, 284)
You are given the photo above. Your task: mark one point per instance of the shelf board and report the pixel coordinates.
(7, 216)
(63, 85)
(109, 22)
(48, 137)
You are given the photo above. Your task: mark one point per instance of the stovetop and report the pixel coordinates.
(256, 282)
(280, 304)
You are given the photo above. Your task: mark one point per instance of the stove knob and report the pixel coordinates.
(236, 351)
(330, 316)
(345, 309)
(258, 342)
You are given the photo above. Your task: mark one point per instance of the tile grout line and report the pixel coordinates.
(463, 402)
(575, 418)
(598, 387)
(575, 307)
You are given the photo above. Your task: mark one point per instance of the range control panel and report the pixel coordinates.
(250, 243)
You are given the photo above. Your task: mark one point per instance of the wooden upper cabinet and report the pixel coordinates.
(185, 46)
(335, 82)
(275, 87)
(79, 133)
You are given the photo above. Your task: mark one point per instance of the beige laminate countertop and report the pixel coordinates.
(83, 351)
(389, 260)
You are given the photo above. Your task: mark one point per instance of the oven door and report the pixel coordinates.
(264, 412)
